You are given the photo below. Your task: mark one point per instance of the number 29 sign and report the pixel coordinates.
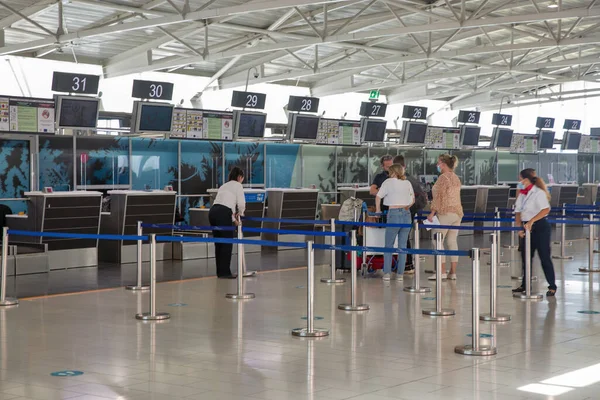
(248, 100)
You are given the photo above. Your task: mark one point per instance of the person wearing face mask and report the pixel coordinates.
(447, 206)
(531, 208)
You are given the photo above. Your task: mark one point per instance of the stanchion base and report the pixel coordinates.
(562, 257)
(9, 301)
(412, 289)
(585, 269)
(467, 350)
(303, 332)
(249, 274)
(512, 247)
(596, 251)
(445, 312)
(516, 278)
(429, 271)
(497, 318)
(503, 264)
(244, 296)
(137, 288)
(532, 296)
(350, 307)
(149, 317)
(336, 280)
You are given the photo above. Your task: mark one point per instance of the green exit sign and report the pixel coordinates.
(374, 95)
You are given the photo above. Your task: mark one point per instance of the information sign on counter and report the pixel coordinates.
(502, 119)
(303, 104)
(75, 83)
(572, 124)
(523, 144)
(340, 132)
(152, 90)
(589, 145)
(202, 124)
(544, 123)
(248, 100)
(28, 115)
(438, 137)
(254, 197)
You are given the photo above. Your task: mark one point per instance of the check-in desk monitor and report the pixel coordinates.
(291, 204)
(362, 193)
(127, 207)
(562, 194)
(61, 212)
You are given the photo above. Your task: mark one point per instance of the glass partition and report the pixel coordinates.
(466, 166)
(374, 161)
(414, 161)
(485, 167)
(249, 157)
(201, 166)
(154, 163)
(283, 165)
(102, 162)
(352, 165)
(319, 169)
(508, 167)
(15, 173)
(585, 168)
(56, 162)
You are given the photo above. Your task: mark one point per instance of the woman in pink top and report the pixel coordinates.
(447, 206)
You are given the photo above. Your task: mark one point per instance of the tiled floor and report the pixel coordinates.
(213, 348)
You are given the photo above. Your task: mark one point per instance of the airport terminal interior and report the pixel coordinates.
(121, 121)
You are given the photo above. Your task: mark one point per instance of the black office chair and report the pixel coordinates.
(4, 211)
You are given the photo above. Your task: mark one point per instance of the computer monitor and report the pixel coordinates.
(303, 127)
(469, 135)
(152, 117)
(372, 130)
(414, 132)
(249, 124)
(501, 138)
(77, 112)
(570, 141)
(546, 140)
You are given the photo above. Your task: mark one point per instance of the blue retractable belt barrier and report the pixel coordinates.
(373, 224)
(288, 221)
(270, 243)
(476, 228)
(75, 235)
(294, 232)
(189, 227)
(570, 222)
(460, 253)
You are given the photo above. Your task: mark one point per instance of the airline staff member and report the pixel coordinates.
(228, 206)
(531, 209)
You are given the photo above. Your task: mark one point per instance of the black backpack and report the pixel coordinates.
(420, 195)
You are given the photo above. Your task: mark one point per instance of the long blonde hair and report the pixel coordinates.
(398, 171)
(530, 174)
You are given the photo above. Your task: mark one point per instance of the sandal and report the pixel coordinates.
(551, 293)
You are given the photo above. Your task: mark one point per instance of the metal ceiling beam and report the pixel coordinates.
(119, 7)
(27, 18)
(36, 9)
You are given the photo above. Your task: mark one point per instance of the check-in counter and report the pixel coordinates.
(590, 194)
(563, 194)
(488, 199)
(127, 207)
(58, 212)
(291, 204)
(255, 207)
(468, 198)
(363, 193)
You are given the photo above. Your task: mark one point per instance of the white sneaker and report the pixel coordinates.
(399, 277)
(386, 277)
(433, 277)
(452, 277)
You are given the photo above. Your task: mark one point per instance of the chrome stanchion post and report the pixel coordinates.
(5, 301)
(512, 244)
(528, 295)
(353, 306)
(498, 225)
(590, 267)
(416, 288)
(429, 271)
(333, 279)
(563, 241)
(138, 286)
(153, 315)
(438, 311)
(475, 348)
(310, 330)
(493, 316)
(240, 295)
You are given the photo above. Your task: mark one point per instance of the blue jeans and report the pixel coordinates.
(396, 216)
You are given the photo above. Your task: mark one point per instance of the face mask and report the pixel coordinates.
(520, 186)
(439, 169)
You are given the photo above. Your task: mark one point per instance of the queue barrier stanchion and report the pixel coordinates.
(590, 268)
(493, 316)
(429, 270)
(5, 301)
(240, 295)
(528, 295)
(416, 288)
(498, 224)
(333, 278)
(438, 311)
(152, 315)
(139, 286)
(563, 231)
(512, 244)
(310, 330)
(353, 306)
(475, 348)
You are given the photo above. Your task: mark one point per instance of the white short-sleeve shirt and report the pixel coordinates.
(396, 192)
(531, 204)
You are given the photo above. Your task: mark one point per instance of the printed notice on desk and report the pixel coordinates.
(4, 114)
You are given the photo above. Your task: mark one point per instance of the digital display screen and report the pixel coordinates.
(503, 137)
(594, 131)
(306, 127)
(415, 133)
(374, 131)
(470, 135)
(573, 139)
(77, 113)
(251, 125)
(546, 140)
(155, 118)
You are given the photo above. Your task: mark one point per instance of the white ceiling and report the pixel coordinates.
(464, 52)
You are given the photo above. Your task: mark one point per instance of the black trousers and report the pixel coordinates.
(541, 233)
(220, 215)
(409, 257)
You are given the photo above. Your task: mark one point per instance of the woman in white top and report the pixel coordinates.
(228, 206)
(532, 207)
(397, 193)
